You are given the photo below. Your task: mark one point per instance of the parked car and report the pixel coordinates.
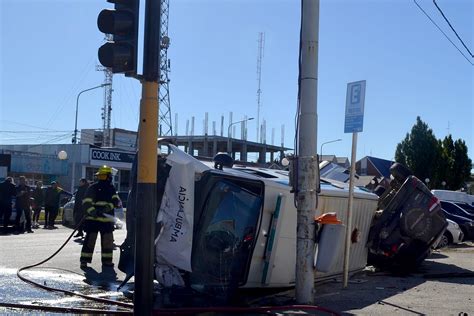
(454, 209)
(454, 196)
(13, 216)
(452, 235)
(466, 224)
(468, 208)
(68, 215)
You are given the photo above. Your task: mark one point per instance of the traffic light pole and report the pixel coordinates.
(147, 164)
(146, 199)
(120, 55)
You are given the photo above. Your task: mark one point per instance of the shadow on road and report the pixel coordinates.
(437, 255)
(105, 280)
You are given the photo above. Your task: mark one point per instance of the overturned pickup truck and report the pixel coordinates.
(407, 225)
(222, 227)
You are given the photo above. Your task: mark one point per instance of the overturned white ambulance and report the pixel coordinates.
(219, 229)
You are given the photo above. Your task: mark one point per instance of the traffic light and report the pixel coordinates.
(120, 54)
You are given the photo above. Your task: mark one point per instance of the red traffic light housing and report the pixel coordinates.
(120, 54)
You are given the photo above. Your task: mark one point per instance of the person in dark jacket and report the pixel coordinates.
(7, 192)
(38, 201)
(51, 204)
(99, 203)
(78, 210)
(23, 193)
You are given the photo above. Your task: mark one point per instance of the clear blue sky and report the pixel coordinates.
(48, 53)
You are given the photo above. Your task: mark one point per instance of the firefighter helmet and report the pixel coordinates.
(104, 172)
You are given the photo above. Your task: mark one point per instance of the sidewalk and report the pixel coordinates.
(443, 285)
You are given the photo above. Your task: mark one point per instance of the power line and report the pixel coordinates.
(442, 32)
(27, 125)
(34, 132)
(452, 28)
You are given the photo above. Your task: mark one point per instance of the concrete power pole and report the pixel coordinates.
(307, 180)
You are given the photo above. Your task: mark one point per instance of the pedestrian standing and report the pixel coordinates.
(78, 210)
(51, 204)
(23, 193)
(99, 202)
(38, 201)
(7, 193)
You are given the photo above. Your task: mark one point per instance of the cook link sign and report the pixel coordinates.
(113, 158)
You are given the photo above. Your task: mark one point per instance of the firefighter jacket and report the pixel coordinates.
(99, 202)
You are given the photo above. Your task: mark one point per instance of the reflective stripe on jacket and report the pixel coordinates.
(100, 198)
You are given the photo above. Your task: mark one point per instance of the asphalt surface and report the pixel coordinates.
(443, 285)
(62, 271)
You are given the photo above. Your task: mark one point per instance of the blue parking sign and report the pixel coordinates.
(355, 99)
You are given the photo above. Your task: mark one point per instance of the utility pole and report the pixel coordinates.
(147, 163)
(307, 180)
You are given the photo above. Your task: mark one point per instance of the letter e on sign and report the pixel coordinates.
(355, 99)
(355, 94)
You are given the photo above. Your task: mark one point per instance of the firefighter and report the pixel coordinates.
(99, 202)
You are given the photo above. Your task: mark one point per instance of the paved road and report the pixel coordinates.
(369, 293)
(21, 250)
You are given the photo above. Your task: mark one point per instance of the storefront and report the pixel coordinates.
(42, 162)
(120, 160)
(35, 167)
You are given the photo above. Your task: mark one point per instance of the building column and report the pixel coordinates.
(243, 154)
(262, 155)
(214, 147)
(206, 146)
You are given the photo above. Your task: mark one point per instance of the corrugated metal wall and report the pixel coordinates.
(363, 212)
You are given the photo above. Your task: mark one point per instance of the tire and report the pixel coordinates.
(445, 240)
(400, 172)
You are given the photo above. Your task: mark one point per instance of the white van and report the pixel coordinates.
(454, 196)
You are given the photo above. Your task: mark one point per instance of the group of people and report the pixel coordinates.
(93, 210)
(28, 200)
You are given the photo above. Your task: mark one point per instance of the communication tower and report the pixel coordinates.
(165, 128)
(107, 108)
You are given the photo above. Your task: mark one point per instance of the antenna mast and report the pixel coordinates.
(261, 44)
(165, 128)
(107, 109)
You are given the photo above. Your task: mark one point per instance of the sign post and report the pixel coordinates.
(354, 121)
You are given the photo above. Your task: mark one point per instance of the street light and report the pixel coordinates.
(229, 151)
(74, 139)
(331, 141)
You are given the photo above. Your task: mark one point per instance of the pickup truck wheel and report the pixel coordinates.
(445, 240)
(400, 172)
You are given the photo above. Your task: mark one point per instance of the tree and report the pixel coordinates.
(420, 152)
(461, 165)
(438, 160)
